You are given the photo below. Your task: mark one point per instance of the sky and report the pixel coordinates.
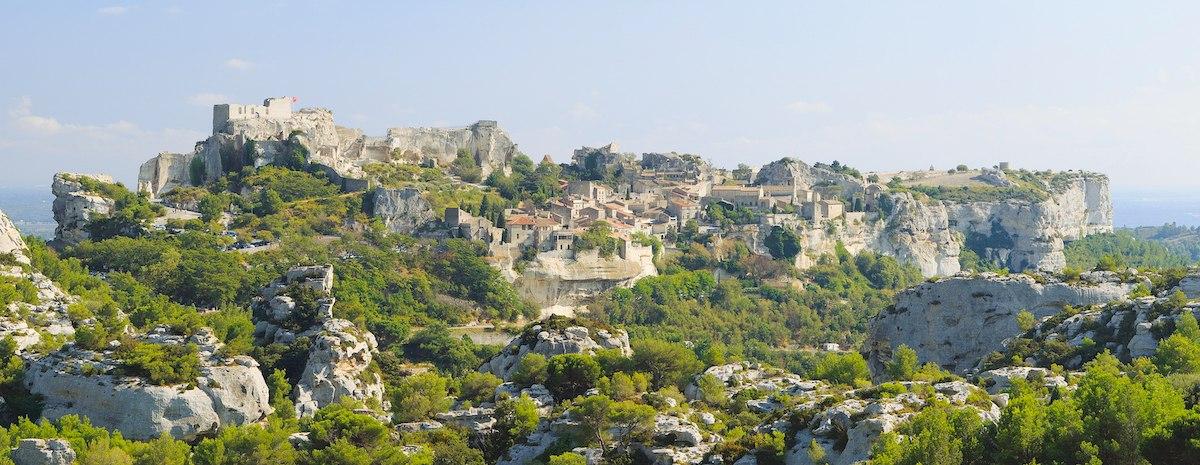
(1103, 86)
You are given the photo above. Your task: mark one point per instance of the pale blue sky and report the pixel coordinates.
(1104, 86)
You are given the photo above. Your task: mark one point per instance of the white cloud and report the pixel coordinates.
(806, 107)
(238, 64)
(208, 99)
(115, 10)
(44, 144)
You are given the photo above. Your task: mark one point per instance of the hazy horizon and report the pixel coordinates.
(1100, 87)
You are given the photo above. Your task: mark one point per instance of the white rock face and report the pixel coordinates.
(78, 382)
(548, 343)
(338, 361)
(957, 321)
(73, 206)
(557, 279)
(11, 241)
(402, 210)
(32, 451)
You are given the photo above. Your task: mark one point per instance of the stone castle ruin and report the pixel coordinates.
(279, 108)
(257, 134)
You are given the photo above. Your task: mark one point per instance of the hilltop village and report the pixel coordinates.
(292, 291)
(785, 209)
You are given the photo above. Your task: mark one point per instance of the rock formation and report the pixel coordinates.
(1127, 328)
(339, 355)
(401, 210)
(339, 365)
(956, 321)
(74, 205)
(552, 337)
(341, 152)
(32, 451)
(74, 381)
(792, 172)
(10, 240)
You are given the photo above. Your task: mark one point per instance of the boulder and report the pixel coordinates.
(75, 381)
(32, 451)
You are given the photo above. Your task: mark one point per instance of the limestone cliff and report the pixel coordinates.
(1015, 233)
(1127, 328)
(956, 322)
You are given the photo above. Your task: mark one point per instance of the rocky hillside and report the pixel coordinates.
(955, 322)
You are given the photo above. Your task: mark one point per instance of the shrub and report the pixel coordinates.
(162, 364)
(570, 375)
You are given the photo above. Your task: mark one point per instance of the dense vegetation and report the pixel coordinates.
(1123, 248)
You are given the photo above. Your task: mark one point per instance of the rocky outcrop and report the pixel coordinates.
(340, 152)
(339, 365)
(955, 322)
(847, 429)
(792, 172)
(401, 210)
(74, 381)
(741, 376)
(74, 205)
(11, 242)
(555, 278)
(32, 451)
(1127, 329)
(339, 357)
(553, 337)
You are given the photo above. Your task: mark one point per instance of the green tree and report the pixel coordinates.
(1178, 354)
(846, 368)
(1020, 430)
(904, 363)
(530, 370)
(1186, 326)
(567, 458)
(1025, 320)
(782, 243)
(570, 375)
(667, 363)
(478, 387)
(419, 396)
